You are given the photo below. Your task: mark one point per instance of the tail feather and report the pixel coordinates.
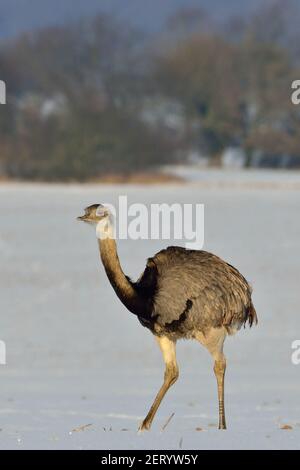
(251, 315)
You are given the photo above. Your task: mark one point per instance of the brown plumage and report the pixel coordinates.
(208, 293)
(182, 293)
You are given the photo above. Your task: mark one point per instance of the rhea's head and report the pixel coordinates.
(94, 214)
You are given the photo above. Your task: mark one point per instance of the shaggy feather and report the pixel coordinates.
(191, 291)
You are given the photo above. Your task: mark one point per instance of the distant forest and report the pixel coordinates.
(98, 97)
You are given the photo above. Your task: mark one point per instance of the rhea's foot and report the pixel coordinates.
(145, 426)
(222, 426)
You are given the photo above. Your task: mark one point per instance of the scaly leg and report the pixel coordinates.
(168, 349)
(219, 370)
(213, 340)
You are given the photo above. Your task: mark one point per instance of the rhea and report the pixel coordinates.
(182, 294)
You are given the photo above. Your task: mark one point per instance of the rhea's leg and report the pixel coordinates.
(214, 341)
(219, 370)
(168, 349)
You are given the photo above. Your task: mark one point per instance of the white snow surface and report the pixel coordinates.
(82, 372)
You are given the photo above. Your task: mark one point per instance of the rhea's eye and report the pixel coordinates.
(100, 212)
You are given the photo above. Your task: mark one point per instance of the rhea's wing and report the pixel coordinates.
(147, 283)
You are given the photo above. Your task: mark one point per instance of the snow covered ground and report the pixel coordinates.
(82, 372)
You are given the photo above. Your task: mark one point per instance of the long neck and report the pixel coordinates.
(109, 256)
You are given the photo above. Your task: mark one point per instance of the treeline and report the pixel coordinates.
(98, 97)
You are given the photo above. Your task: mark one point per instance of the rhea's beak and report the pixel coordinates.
(82, 217)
